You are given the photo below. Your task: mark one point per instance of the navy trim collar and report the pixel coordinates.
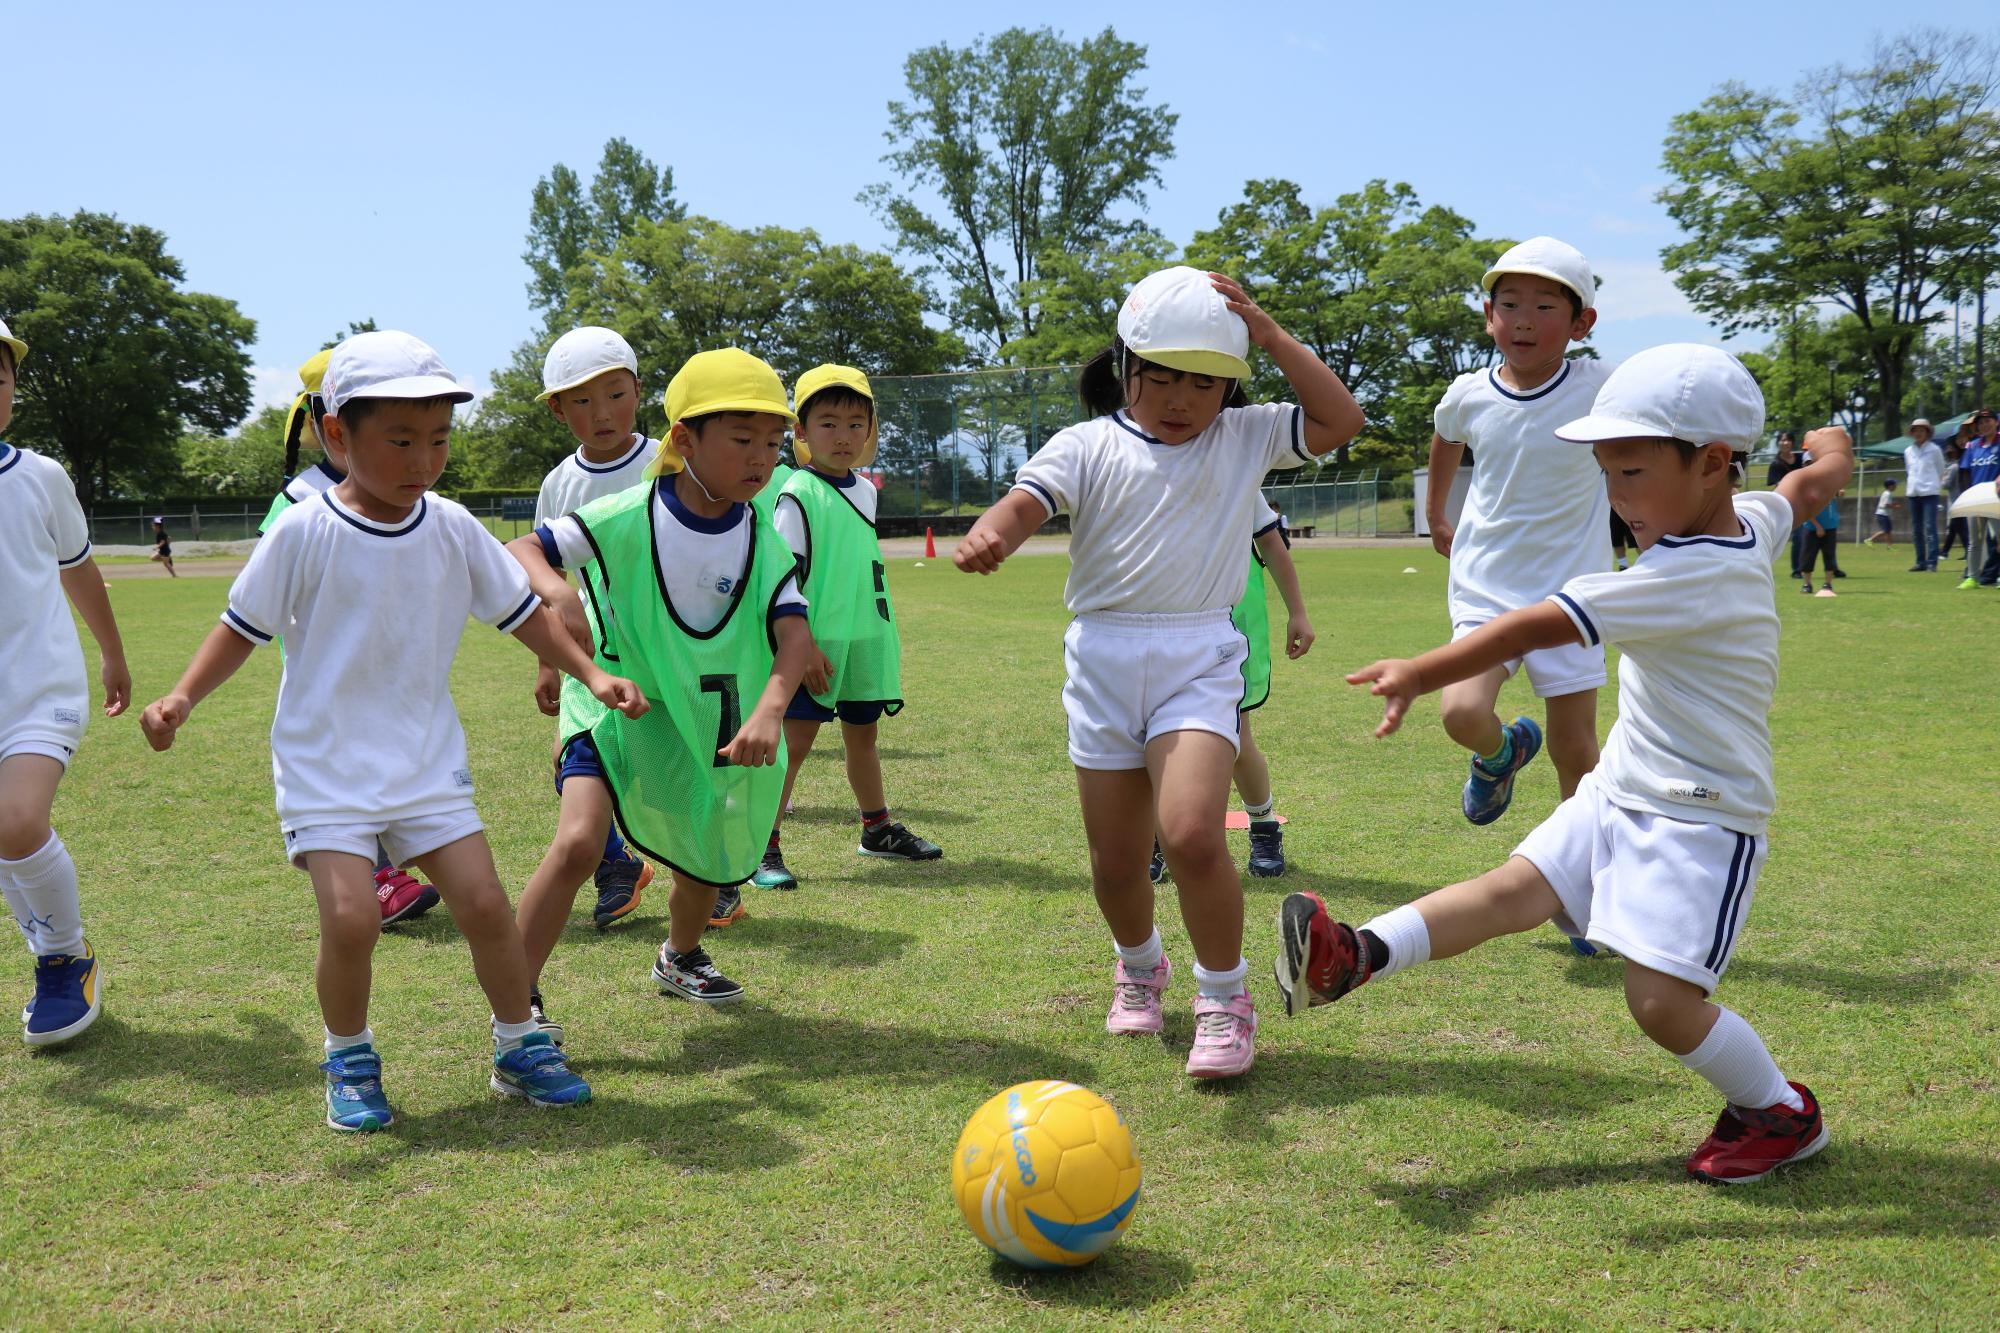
(843, 482)
(1120, 419)
(370, 526)
(692, 521)
(9, 455)
(639, 442)
(1533, 394)
(1747, 542)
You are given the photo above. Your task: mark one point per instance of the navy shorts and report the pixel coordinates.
(805, 708)
(579, 759)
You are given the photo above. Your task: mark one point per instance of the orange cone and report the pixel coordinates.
(930, 545)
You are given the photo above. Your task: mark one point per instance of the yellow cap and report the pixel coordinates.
(19, 348)
(310, 375)
(728, 379)
(821, 378)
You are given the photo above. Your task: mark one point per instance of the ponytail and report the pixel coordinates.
(1098, 385)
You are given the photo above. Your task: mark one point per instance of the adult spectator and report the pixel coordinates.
(1982, 463)
(1954, 485)
(1786, 460)
(1924, 463)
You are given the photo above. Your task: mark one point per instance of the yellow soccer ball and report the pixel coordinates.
(1045, 1174)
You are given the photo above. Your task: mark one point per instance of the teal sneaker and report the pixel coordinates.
(772, 872)
(537, 1071)
(1488, 794)
(355, 1102)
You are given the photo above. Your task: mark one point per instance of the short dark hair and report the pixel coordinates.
(838, 395)
(357, 410)
(1575, 300)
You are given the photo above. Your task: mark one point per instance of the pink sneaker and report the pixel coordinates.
(1224, 1032)
(1135, 1000)
(401, 896)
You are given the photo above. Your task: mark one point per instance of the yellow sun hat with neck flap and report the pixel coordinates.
(818, 380)
(14, 345)
(311, 374)
(727, 379)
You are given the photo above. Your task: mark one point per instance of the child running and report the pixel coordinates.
(694, 595)
(1657, 854)
(163, 547)
(826, 514)
(45, 556)
(371, 585)
(1161, 490)
(1535, 517)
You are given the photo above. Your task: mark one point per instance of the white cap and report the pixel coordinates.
(582, 355)
(1682, 391)
(1176, 318)
(387, 364)
(20, 348)
(1547, 257)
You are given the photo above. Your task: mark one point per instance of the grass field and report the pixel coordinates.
(1482, 1143)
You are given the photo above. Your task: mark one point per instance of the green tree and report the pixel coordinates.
(125, 360)
(1028, 143)
(1869, 189)
(248, 461)
(1814, 371)
(1076, 296)
(568, 222)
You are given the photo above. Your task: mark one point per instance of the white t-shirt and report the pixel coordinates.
(1158, 527)
(1885, 503)
(856, 489)
(43, 693)
(1267, 518)
(575, 482)
(371, 615)
(1926, 467)
(1537, 514)
(319, 477)
(701, 558)
(1696, 626)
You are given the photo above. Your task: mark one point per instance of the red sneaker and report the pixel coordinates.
(401, 896)
(1748, 1145)
(1319, 959)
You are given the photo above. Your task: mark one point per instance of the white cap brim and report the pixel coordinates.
(579, 381)
(1594, 429)
(413, 387)
(1493, 276)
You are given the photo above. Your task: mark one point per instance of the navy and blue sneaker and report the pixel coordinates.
(355, 1102)
(620, 881)
(1487, 793)
(537, 1071)
(68, 998)
(1267, 848)
(1156, 869)
(1585, 949)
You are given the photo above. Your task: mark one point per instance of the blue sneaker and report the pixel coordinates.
(68, 998)
(1488, 794)
(355, 1102)
(537, 1071)
(1585, 949)
(621, 879)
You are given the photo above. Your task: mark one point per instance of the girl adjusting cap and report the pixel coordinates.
(1175, 318)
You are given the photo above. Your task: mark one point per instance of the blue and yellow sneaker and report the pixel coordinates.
(1487, 793)
(355, 1102)
(537, 1071)
(68, 998)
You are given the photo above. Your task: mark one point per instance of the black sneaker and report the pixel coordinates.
(619, 884)
(772, 872)
(693, 976)
(1267, 848)
(728, 908)
(543, 1022)
(1157, 871)
(891, 841)
(1806, 587)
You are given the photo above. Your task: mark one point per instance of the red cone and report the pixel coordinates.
(930, 545)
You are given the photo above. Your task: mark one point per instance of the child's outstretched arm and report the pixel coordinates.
(1299, 634)
(1399, 681)
(1810, 487)
(546, 639)
(756, 741)
(999, 532)
(1332, 416)
(85, 588)
(220, 656)
(547, 582)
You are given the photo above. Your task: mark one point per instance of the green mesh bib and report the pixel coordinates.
(1253, 617)
(766, 500)
(847, 592)
(676, 799)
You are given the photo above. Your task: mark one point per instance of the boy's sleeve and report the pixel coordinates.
(260, 600)
(1267, 518)
(501, 596)
(564, 542)
(1449, 418)
(790, 520)
(1631, 605)
(790, 601)
(545, 501)
(1055, 474)
(1769, 518)
(69, 531)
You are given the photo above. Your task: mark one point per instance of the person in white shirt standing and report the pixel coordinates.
(371, 584)
(1923, 463)
(1657, 854)
(1162, 488)
(1535, 517)
(45, 557)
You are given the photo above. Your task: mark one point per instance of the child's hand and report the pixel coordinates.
(1299, 636)
(548, 689)
(1441, 535)
(980, 552)
(1396, 682)
(819, 672)
(1263, 329)
(756, 744)
(117, 686)
(162, 718)
(619, 693)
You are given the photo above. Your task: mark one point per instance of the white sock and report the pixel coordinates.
(1407, 937)
(46, 884)
(1221, 985)
(1142, 957)
(19, 907)
(1733, 1058)
(1260, 811)
(334, 1042)
(506, 1036)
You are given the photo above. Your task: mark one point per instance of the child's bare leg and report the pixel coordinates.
(582, 823)
(864, 766)
(470, 886)
(1572, 737)
(1714, 1042)
(799, 736)
(350, 920)
(28, 785)
(1253, 770)
(1191, 772)
(1504, 901)
(689, 905)
(1118, 823)
(1467, 708)
(41, 882)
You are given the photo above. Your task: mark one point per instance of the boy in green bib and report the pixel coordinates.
(694, 596)
(826, 514)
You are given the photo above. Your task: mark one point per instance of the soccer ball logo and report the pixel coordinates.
(1045, 1174)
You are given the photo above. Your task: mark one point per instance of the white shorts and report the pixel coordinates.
(1665, 893)
(403, 839)
(1553, 672)
(60, 753)
(1134, 676)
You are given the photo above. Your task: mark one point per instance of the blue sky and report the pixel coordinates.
(322, 164)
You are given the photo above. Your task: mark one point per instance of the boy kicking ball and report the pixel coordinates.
(1657, 853)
